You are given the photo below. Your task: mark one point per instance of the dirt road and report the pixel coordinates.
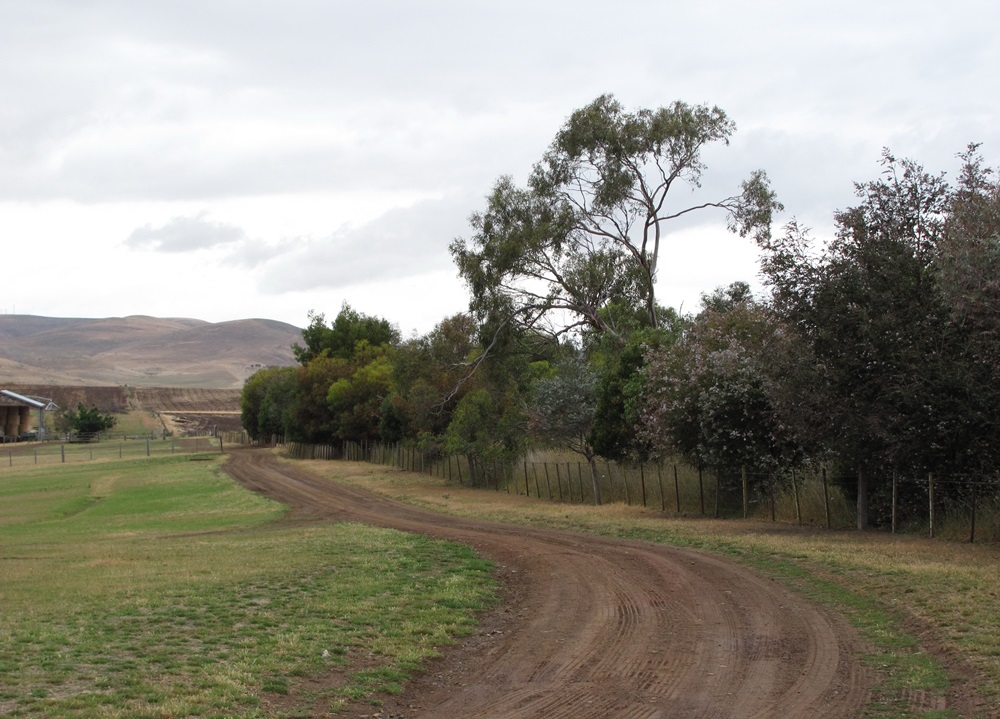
(593, 627)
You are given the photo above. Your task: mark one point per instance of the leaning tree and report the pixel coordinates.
(584, 236)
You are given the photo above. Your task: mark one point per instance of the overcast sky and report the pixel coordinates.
(223, 159)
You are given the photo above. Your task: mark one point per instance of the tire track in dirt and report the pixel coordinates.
(600, 627)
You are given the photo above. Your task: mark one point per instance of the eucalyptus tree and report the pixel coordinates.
(587, 231)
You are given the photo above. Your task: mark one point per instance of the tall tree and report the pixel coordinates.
(340, 337)
(875, 323)
(586, 232)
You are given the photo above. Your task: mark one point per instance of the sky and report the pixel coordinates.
(224, 159)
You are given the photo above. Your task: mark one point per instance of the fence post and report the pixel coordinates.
(569, 483)
(930, 499)
(770, 487)
(677, 490)
(826, 499)
(534, 473)
(746, 492)
(548, 487)
(147, 446)
(659, 480)
(972, 532)
(642, 480)
(527, 490)
(798, 505)
(62, 450)
(701, 491)
(895, 498)
(558, 482)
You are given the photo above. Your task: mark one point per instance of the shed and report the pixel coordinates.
(15, 414)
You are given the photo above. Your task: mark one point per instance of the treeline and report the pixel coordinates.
(876, 353)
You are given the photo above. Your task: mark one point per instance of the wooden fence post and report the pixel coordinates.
(972, 532)
(746, 492)
(548, 487)
(895, 498)
(558, 481)
(770, 486)
(642, 480)
(930, 499)
(659, 479)
(798, 505)
(677, 490)
(826, 499)
(701, 491)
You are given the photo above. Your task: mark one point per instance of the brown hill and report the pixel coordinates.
(140, 351)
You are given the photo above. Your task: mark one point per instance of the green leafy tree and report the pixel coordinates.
(356, 400)
(586, 233)
(870, 310)
(88, 420)
(431, 374)
(709, 396)
(563, 410)
(340, 337)
(266, 401)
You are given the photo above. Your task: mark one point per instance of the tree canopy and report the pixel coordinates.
(586, 233)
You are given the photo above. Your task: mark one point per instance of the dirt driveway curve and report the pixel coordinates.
(593, 627)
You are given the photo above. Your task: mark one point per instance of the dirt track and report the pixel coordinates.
(594, 627)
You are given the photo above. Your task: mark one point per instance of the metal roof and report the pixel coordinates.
(36, 402)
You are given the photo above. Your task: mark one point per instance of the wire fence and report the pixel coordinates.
(953, 507)
(94, 449)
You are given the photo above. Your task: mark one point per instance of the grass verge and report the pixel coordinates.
(158, 588)
(926, 608)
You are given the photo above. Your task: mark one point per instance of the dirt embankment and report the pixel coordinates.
(181, 410)
(592, 627)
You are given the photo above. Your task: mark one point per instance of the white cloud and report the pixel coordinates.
(184, 234)
(403, 242)
(309, 148)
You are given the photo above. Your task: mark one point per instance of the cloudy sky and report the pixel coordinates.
(224, 159)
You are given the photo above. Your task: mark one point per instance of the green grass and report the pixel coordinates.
(158, 588)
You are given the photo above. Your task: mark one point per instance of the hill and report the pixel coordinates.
(140, 351)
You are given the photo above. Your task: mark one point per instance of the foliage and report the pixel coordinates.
(489, 427)
(431, 374)
(886, 312)
(586, 232)
(356, 400)
(266, 401)
(709, 396)
(563, 411)
(621, 389)
(88, 420)
(342, 336)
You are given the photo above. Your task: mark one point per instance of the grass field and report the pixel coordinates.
(928, 608)
(158, 588)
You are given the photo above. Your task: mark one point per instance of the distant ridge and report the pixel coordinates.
(140, 351)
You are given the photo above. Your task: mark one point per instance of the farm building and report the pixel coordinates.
(15, 414)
